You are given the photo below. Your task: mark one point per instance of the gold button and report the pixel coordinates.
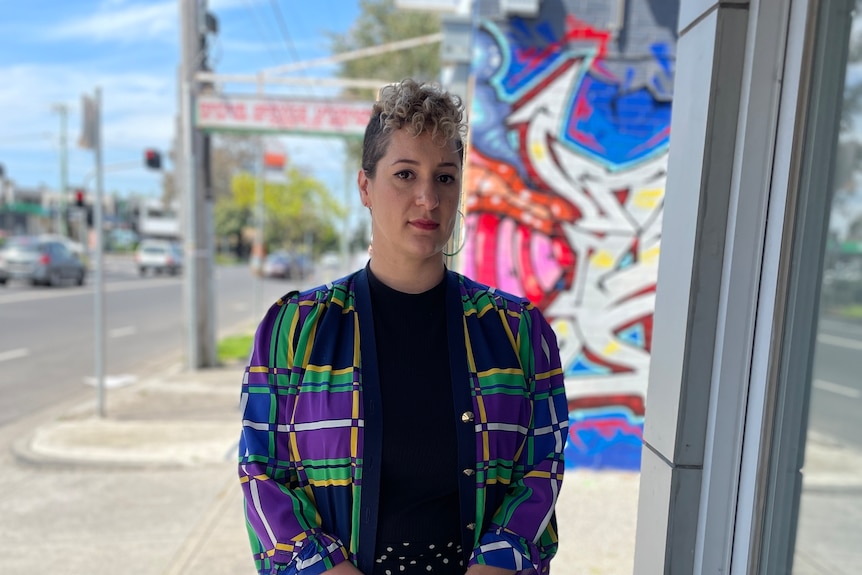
(468, 472)
(467, 416)
(471, 526)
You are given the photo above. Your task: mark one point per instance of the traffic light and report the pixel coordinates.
(153, 159)
(79, 198)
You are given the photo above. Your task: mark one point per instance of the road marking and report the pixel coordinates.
(840, 341)
(123, 331)
(112, 381)
(835, 388)
(14, 354)
(87, 290)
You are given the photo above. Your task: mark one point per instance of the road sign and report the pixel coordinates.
(282, 115)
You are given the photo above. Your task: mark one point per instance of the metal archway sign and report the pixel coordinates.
(281, 115)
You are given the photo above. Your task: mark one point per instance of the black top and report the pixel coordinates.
(419, 472)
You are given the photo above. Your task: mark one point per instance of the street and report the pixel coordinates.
(836, 388)
(160, 520)
(47, 335)
(47, 351)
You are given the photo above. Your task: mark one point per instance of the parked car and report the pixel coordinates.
(40, 260)
(160, 256)
(286, 265)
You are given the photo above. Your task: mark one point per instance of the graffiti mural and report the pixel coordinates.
(564, 198)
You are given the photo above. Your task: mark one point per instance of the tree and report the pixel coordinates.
(380, 22)
(297, 213)
(229, 154)
(230, 219)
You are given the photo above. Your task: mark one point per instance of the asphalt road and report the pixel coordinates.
(47, 351)
(836, 394)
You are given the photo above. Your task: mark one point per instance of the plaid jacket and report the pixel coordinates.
(309, 454)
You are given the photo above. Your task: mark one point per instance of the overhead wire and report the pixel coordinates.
(285, 34)
(261, 29)
(282, 26)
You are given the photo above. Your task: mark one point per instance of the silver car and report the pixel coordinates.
(40, 260)
(159, 256)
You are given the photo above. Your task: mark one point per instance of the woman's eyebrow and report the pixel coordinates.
(416, 163)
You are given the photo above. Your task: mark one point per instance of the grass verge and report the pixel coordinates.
(234, 348)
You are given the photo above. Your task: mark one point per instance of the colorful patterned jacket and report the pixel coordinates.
(309, 454)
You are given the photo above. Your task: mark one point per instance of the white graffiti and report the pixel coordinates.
(615, 240)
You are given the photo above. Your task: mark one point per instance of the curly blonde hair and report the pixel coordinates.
(417, 107)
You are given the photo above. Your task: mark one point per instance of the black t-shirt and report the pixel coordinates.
(419, 472)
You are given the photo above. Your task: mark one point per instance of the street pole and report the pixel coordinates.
(198, 277)
(190, 49)
(258, 251)
(348, 194)
(60, 223)
(98, 289)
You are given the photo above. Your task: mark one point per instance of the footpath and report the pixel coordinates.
(166, 432)
(163, 459)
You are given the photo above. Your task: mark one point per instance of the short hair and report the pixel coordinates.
(418, 107)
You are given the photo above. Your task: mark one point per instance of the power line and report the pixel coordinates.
(282, 25)
(261, 29)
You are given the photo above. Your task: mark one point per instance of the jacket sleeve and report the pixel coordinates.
(283, 523)
(522, 535)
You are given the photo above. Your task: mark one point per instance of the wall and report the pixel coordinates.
(565, 184)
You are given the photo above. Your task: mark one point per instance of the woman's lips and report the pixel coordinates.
(425, 224)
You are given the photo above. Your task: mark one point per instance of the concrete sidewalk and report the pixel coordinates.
(182, 422)
(157, 478)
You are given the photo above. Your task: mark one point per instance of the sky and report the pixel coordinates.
(54, 51)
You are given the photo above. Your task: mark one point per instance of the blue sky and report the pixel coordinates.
(53, 51)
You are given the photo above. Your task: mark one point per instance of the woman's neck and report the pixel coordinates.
(408, 277)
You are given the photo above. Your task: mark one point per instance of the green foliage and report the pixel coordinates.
(230, 218)
(299, 212)
(380, 22)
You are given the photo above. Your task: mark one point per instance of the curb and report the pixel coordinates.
(149, 428)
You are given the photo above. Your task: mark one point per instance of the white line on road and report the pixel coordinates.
(14, 354)
(839, 341)
(87, 290)
(123, 331)
(835, 388)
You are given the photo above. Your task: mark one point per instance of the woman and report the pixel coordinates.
(404, 419)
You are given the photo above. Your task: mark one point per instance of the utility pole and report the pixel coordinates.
(91, 139)
(60, 222)
(99, 287)
(198, 277)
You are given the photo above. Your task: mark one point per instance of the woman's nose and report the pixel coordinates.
(428, 196)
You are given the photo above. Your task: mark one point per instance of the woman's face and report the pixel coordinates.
(413, 197)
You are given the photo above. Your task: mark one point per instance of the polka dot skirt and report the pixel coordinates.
(407, 559)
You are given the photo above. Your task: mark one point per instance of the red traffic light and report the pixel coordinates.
(79, 198)
(153, 159)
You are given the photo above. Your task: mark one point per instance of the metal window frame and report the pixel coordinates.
(775, 459)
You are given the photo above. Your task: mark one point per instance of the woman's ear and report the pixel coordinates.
(363, 181)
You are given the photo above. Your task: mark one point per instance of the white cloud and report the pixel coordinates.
(138, 113)
(116, 21)
(136, 106)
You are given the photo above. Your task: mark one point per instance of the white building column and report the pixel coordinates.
(716, 280)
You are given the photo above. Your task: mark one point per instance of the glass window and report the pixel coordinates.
(829, 528)
(813, 495)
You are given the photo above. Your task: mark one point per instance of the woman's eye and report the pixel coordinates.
(446, 178)
(403, 175)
